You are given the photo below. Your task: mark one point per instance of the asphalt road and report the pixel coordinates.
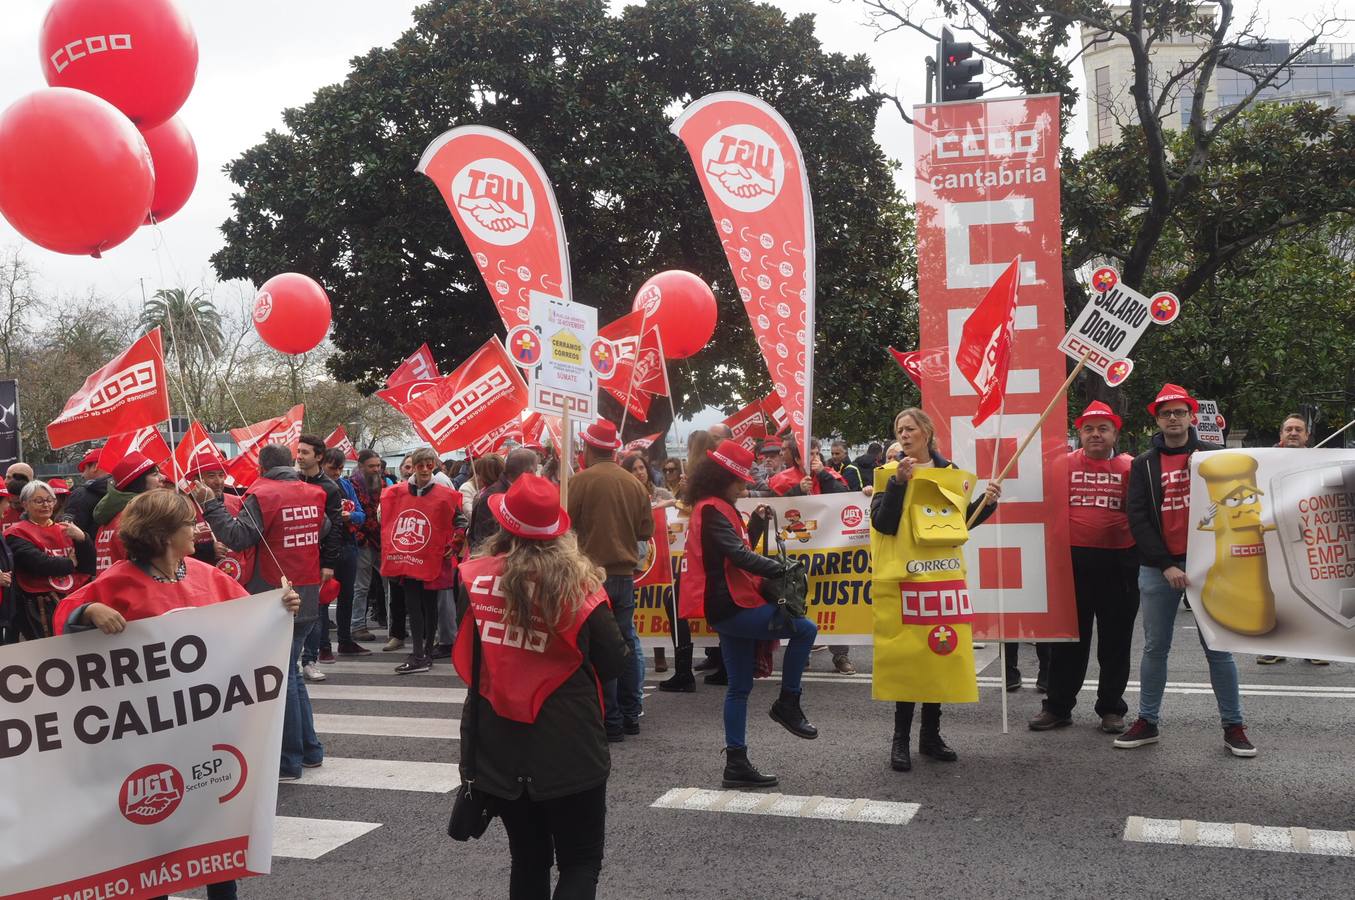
(1020, 815)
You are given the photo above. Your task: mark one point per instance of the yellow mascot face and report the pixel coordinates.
(936, 509)
(1231, 480)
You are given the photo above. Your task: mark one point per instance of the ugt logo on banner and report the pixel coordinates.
(746, 169)
(493, 201)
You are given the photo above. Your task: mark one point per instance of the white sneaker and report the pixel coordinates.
(312, 672)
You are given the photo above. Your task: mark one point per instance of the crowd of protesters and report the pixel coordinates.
(438, 554)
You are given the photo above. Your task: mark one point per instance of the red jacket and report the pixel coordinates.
(128, 589)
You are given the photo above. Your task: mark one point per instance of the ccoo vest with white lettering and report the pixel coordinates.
(745, 588)
(520, 666)
(108, 547)
(416, 531)
(52, 540)
(293, 515)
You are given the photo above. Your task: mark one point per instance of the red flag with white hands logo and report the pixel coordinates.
(484, 392)
(929, 363)
(748, 425)
(985, 350)
(128, 393)
(196, 441)
(144, 440)
(504, 206)
(751, 170)
(339, 439)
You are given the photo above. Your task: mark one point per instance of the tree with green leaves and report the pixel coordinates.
(592, 94)
(1231, 199)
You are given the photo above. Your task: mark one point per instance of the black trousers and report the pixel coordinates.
(682, 632)
(422, 606)
(568, 831)
(1107, 585)
(903, 718)
(346, 573)
(1043, 650)
(395, 616)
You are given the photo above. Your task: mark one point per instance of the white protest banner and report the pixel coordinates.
(1209, 422)
(1271, 558)
(564, 375)
(143, 763)
(1112, 322)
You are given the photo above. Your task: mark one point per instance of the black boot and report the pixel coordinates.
(719, 677)
(786, 710)
(739, 772)
(900, 760)
(683, 681)
(930, 742)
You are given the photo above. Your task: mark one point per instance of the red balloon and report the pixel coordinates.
(291, 313)
(139, 55)
(682, 307)
(75, 174)
(176, 167)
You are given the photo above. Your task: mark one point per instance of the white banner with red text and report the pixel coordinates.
(146, 762)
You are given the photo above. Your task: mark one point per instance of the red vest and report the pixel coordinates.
(787, 480)
(520, 667)
(416, 531)
(137, 595)
(293, 514)
(108, 547)
(238, 564)
(743, 586)
(52, 540)
(9, 517)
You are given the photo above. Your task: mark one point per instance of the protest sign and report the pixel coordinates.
(1112, 322)
(146, 762)
(1271, 557)
(564, 376)
(1209, 422)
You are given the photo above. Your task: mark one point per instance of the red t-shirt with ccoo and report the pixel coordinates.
(1097, 490)
(1175, 501)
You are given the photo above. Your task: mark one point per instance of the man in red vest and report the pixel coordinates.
(285, 518)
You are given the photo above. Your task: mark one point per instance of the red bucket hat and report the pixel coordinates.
(530, 509)
(735, 458)
(602, 435)
(203, 463)
(1172, 392)
(59, 486)
(89, 459)
(130, 468)
(1098, 410)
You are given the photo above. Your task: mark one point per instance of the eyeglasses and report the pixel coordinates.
(1173, 413)
(45, 501)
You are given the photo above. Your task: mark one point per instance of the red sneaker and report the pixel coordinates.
(326, 655)
(1140, 733)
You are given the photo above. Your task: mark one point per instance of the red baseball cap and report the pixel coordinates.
(735, 458)
(203, 463)
(89, 459)
(1098, 410)
(1173, 392)
(530, 509)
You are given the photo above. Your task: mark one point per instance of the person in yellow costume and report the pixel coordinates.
(924, 648)
(1236, 591)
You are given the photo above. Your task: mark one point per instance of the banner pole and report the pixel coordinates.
(1334, 434)
(630, 382)
(566, 452)
(1030, 436)
(1002, 595)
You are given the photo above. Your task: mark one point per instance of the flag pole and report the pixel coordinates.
(1001, 593)
(566, 451)
(1334, 434)
(630, 382)
(1030, 436)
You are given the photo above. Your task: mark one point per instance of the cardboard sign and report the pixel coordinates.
(1210, 422)
(1112, 322)
(564, 375)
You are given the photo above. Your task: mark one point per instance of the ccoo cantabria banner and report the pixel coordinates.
(143, 763)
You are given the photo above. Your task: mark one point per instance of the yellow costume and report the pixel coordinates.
(1236, 591)
(924, 650)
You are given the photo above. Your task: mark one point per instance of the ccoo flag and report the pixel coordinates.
(128, 393)
(985, 351)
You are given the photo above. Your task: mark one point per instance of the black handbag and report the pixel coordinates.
(790, 589)
(472, 810)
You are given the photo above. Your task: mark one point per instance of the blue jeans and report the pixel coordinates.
(739, 635)
(623, 695)
(299, 743)
(317, 637)
(1158, 603)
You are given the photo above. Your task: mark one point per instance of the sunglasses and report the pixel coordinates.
(670, 468)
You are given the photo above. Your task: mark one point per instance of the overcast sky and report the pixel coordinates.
(261, 56)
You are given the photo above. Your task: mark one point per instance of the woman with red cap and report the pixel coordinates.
(722, 583)
(44, 560)
(538, 622)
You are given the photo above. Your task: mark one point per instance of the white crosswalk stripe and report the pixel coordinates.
(386, 694)
(841, 809)
(388, 726)
(382, 774)
(1239, 836)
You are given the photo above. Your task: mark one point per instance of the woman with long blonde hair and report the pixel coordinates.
(539, 639)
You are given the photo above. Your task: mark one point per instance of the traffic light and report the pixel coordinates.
(958, 73)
